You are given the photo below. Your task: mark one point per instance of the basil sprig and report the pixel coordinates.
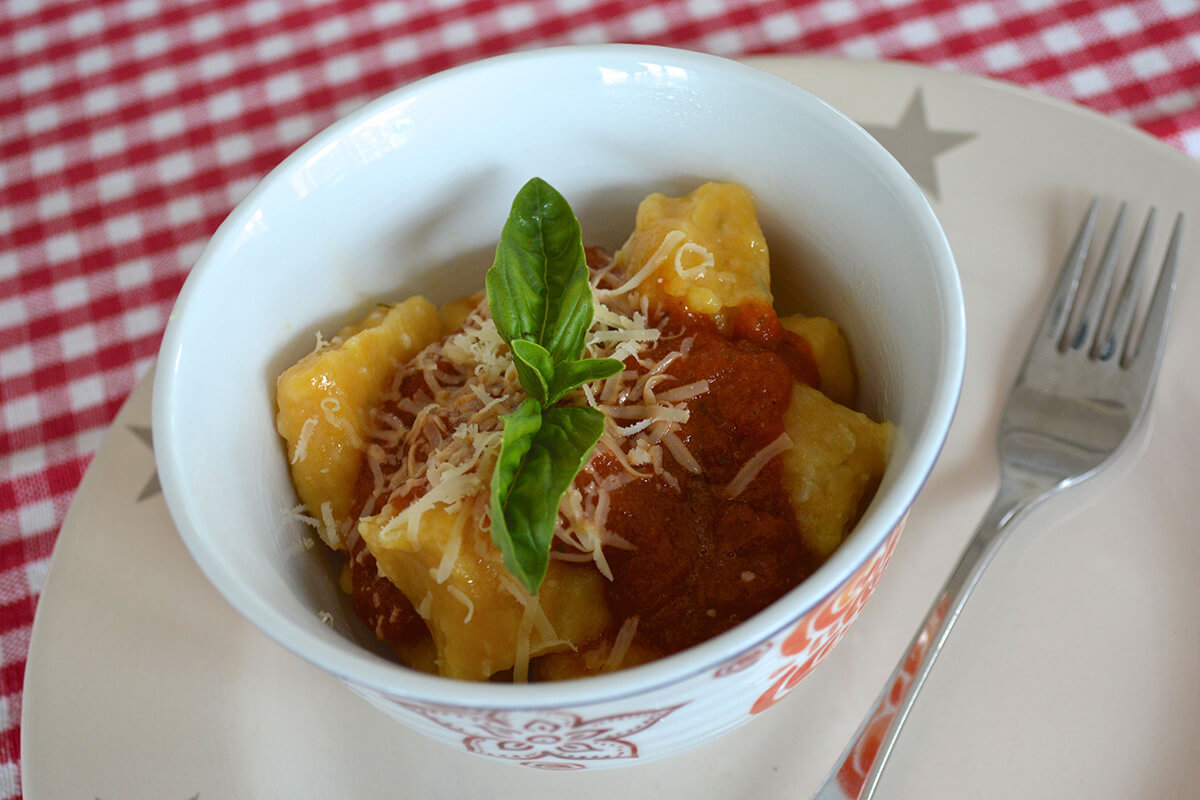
(541, 452)
(541, 302)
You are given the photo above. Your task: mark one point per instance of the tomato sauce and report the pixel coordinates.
(378, 603)
(705, 561)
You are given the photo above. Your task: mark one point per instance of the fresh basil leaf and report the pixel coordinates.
(520, 426)
(541, 451)
(538, 284)
(570, 374)
(550, 382)
(541, 302)
(535, 367)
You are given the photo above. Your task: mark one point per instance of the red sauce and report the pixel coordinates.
(378, 603)
(705, 561)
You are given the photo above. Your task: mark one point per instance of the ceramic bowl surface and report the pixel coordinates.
(407, 195)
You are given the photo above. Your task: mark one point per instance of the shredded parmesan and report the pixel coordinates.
(604, 337)
(461, 596)
(433, 440)
(643, 412)
(331, 405)
(533, 609)
(685, 392)
(424, 607)
(450, 554)
(328, 528)
(297, 514)
(669, 243)
(697, 270)
(751, 468)
(621, 645)
(681, 453)
(306, 432)
(521, 657)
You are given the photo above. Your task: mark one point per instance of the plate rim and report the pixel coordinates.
(71, 528)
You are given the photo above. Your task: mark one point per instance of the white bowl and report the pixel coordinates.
(407, 195)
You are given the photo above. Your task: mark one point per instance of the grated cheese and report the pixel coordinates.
(697, 270)
(450, 554)
(679, 451)
(521, 657)
(296, 513)
(685, 392)
(437, 437)
(328, 528)
(331, 405)
(306, 432)
(424, 607)
(669, 243)
(533, 617)
(751, 468)
(621, 644)
(433, 440)
(637, 427)
(655, 412)
(461, 596)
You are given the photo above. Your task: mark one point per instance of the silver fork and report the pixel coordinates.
(1080, 394)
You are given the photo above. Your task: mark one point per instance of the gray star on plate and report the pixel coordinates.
(147, 436)
(915, 145)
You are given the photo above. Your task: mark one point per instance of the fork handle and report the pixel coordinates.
(858, 769)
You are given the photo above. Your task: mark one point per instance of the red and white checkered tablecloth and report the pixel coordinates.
(130, 128)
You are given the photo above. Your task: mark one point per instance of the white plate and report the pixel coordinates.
(1074, 671)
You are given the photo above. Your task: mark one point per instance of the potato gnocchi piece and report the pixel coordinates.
(705, 250)
(455, 313)
(419, 654)
(836, 461)
(831, 351)
(456, 580)
(324, 402)
(594, 659)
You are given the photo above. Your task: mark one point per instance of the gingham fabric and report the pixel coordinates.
(130, 128)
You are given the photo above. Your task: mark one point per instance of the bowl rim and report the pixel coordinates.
(360, 667)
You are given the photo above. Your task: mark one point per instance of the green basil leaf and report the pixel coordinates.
(520, 426)
(570, 374)
(549, 382)
(535, 368)
(541, 452)
(541, 302)
(538, 284)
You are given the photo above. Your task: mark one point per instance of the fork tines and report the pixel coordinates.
(1103, 336)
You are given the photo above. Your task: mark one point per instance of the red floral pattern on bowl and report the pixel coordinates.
(815, 635)
(547, 739)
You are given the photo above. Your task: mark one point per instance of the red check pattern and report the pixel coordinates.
(130, 128)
